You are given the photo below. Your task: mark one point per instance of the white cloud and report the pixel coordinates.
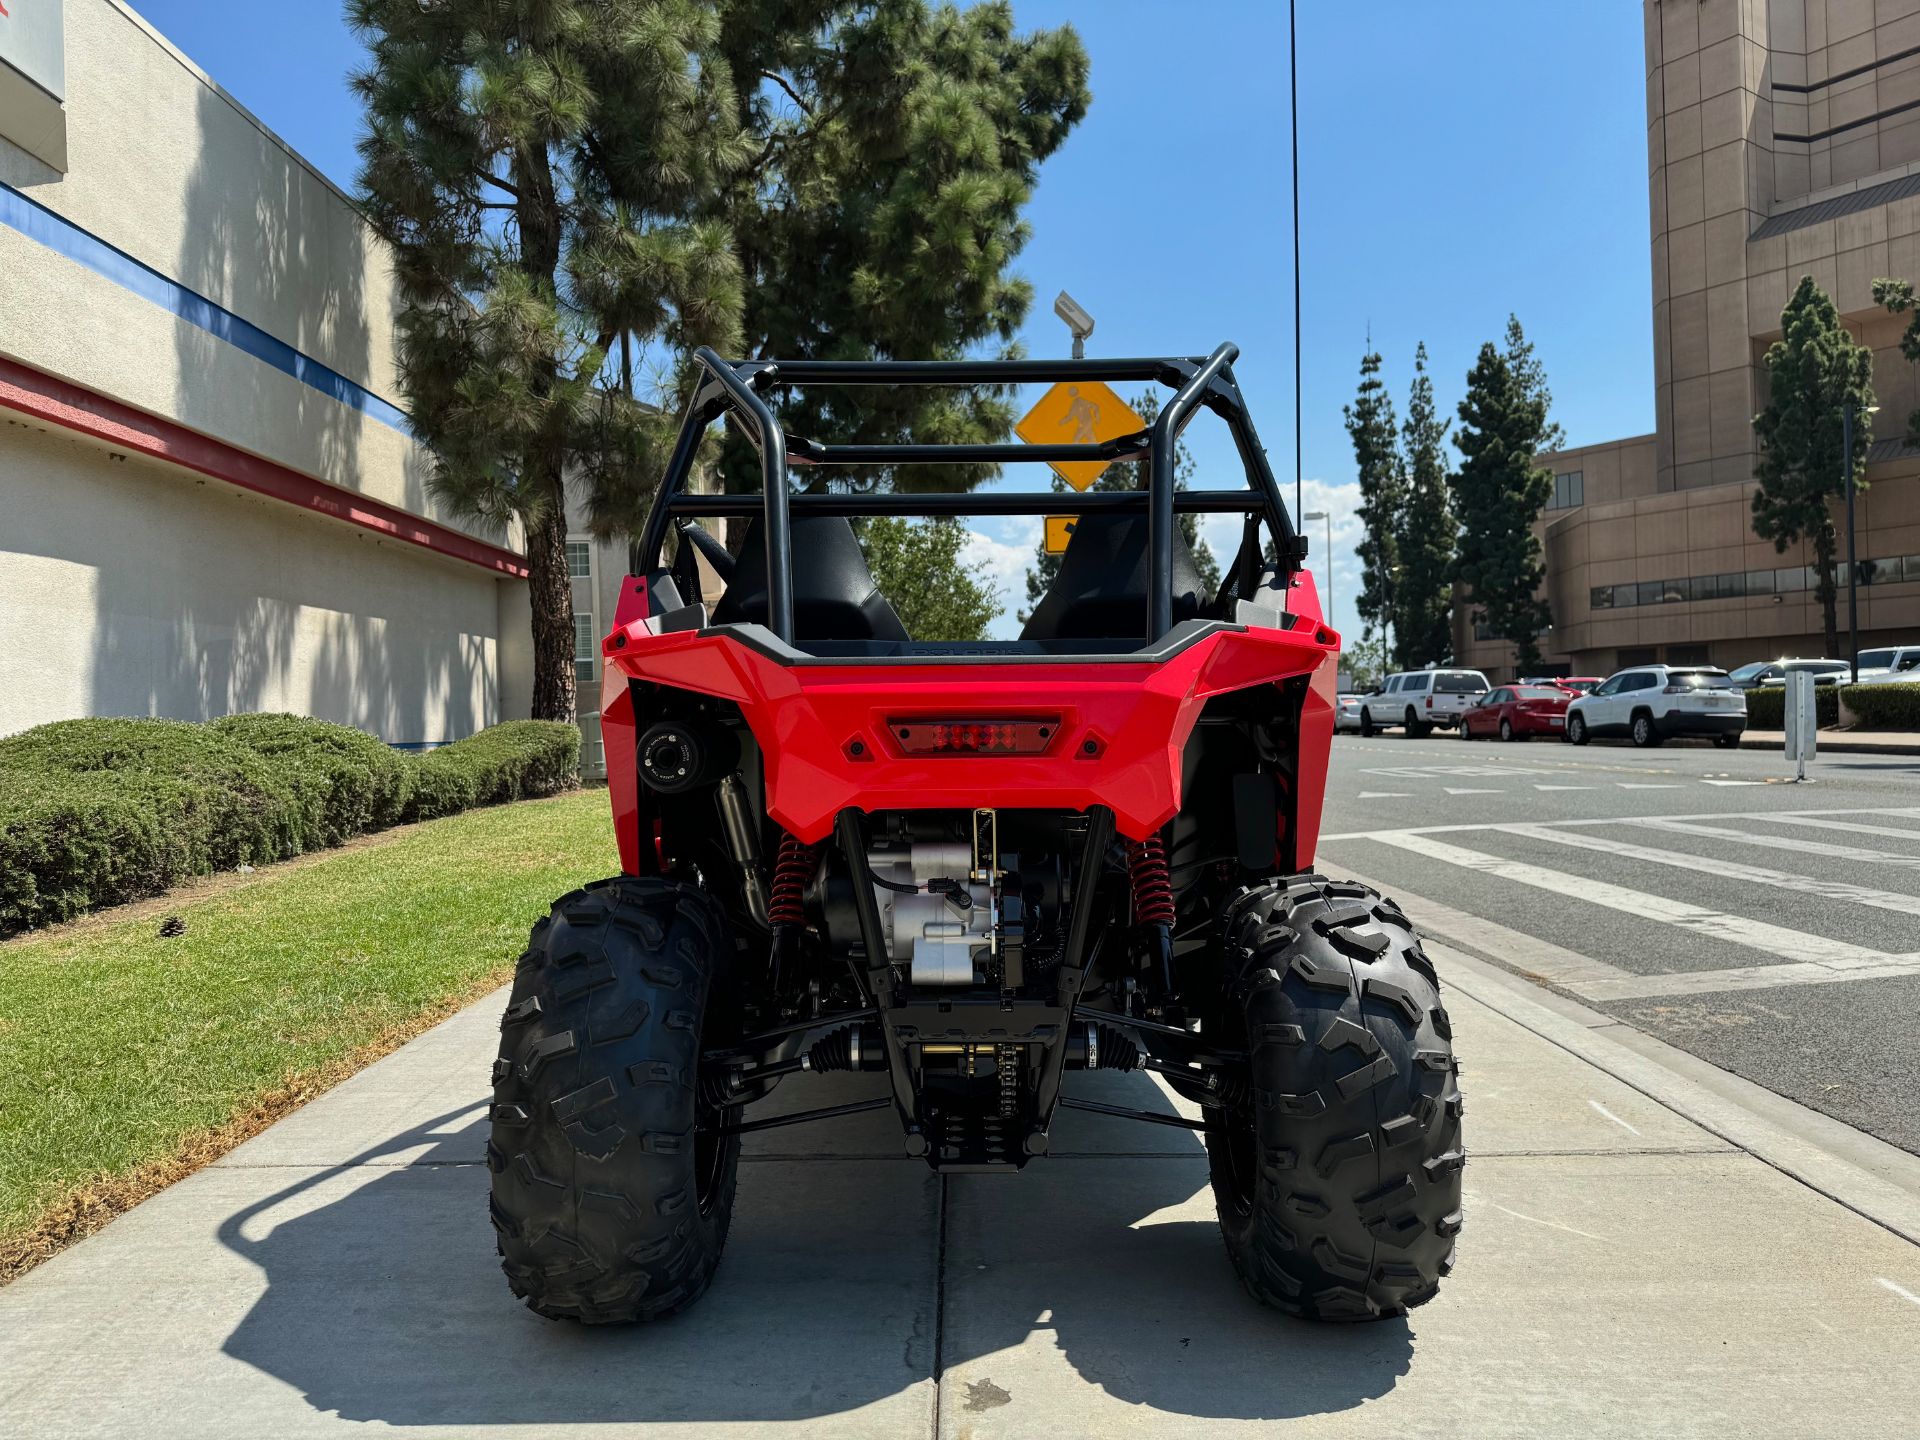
(1004, 545)
(1342, 502)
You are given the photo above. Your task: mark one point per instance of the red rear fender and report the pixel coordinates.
(1117, 731)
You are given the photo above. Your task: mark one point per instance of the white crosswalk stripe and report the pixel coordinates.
(1862, 844)
(1729, 869)
(1793, 843)
(1776, 940)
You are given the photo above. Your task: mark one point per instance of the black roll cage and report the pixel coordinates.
(733, 387)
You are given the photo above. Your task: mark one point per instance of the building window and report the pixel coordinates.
(580, 559)
(583, 649)
(1569, 490)
(1600, 598)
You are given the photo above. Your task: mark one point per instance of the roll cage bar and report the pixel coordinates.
(734, 387)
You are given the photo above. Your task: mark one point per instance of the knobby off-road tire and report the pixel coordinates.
(1338, 1180)
(611, 1195)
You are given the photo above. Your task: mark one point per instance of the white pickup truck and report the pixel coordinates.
(1421, 699)
(1889, 664)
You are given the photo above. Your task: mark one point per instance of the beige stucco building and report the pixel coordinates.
(210, 498)
(1783, 139)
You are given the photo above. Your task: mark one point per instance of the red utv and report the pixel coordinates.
(973, 869)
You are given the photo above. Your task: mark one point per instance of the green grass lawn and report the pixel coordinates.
(120, 1049)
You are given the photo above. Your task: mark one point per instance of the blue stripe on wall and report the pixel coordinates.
(38, 223)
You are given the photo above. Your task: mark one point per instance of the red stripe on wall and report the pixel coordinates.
(73, 407)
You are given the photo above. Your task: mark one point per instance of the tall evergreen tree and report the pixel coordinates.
(541, 172)
(1131, 475)
(1812, 370)
(1383, 496)
(1531, 376)
(1498, 493)
(895, 145)
(1423, 601)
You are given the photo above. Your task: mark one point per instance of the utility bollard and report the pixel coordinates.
(1801, 721)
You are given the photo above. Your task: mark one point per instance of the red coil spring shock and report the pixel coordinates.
(1152, 884)
(791, 872)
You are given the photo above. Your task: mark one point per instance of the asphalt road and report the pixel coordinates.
(1768, 927)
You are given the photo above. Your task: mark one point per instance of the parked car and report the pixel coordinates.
(1775, 672)
(1421, 699)
(1890, 664)
(1346, 713)
(1578, 684)
(1651, 703)
(1518, 712)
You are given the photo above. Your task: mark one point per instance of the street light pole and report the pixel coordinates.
(1327, 516)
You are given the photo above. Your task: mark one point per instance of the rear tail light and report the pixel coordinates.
(1429, 702)
(974, 735)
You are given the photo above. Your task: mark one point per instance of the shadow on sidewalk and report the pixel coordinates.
(385, 1301)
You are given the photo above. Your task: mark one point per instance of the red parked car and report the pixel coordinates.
(1515, 712)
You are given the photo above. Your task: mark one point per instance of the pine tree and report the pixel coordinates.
(1423, 602)
(1131, 475)
(896, 145)
(1383, 495)
(1498, 493)
(1531, 376)
(541, 173)
(1813, 370)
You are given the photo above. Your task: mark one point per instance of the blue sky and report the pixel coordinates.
(1457, 162)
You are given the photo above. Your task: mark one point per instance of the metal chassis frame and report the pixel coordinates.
(734, 388)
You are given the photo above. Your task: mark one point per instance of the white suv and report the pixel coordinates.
(1649, 703)
(1421, 699)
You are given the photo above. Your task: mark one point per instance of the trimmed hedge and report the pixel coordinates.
(1767, 706)
(1886, 707)
(516, 761)
(350, 781)
(99, 812)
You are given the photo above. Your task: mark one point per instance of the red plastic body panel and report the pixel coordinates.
(1122, 731)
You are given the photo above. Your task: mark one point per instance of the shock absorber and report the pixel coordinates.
(786, 907)
(1153, 901)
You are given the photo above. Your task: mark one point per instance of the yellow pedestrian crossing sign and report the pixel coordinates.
(1078, 412)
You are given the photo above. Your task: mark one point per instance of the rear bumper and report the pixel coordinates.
(1539, 724)
(1682, 722)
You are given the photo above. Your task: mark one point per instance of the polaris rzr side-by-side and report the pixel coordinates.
(971, 869)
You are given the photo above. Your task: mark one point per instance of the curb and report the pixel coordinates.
(1839, 745)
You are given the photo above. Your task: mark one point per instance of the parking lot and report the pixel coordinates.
(1653, 1246)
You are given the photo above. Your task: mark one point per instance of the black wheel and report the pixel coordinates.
(1414, 727)
(1366, 722)
(1726, 742)
(1577, 729)
(1644, 735)
(612, 1192)
(1506, 730)
(1466, 730)
(1336, 1173)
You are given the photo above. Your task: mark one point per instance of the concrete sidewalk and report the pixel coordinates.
(1639, 1259)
